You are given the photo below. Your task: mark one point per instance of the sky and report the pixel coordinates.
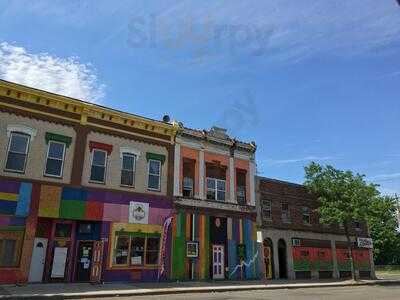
(306, 80)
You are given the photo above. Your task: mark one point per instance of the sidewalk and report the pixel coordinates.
(86, 290)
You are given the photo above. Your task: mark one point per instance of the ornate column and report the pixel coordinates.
(232, 180)
(177, 163)
(201, 174)
(252, 186)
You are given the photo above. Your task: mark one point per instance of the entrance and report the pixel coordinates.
(38, 260)
(218, 262)
(268, 259)
(84, 261)
(282, 259)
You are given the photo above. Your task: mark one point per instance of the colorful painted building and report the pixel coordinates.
(296, 245)
(214, 229)
(85, 191)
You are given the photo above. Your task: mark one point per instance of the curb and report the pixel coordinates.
(201, 290)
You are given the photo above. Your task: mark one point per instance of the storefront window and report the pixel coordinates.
(137, 250)
(10, 248)
(152, 251)
(121, 250)
(63, 230)
(141, 250)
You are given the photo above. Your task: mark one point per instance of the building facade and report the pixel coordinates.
(85, 191)
(296, 245)
(214, 229)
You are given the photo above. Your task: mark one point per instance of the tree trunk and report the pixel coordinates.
(350, 249)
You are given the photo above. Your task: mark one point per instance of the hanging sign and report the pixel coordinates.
(138, 212)
(163, 251)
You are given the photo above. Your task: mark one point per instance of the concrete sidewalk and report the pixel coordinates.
(86, 290)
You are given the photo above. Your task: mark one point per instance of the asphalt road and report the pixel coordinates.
(340, 293)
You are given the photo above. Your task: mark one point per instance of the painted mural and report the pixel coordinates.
(129, 227)
(235, 232)
(312, 258)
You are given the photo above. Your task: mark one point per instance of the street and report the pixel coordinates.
(337, 293)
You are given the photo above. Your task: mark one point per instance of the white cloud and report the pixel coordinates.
(65, 76)
(299, 160)
(385, 177)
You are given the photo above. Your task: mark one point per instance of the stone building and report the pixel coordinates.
(296, 245)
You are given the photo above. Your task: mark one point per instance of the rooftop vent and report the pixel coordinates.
(166, 119)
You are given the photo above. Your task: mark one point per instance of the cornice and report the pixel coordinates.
(79, 111)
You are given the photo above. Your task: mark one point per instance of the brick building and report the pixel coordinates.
(296, 244)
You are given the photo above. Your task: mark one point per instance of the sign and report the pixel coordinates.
(138, 212)
(241, 252)
(192, 249)
(259, 237)
(364, 243)
(162, 253)
(59, 260)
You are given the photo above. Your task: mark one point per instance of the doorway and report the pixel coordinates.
(218, 262)
(268, 259)
(38, 260)
(282, 259)
(84, 261)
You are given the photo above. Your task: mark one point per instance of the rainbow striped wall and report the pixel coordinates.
(15, 198)
(239, 231)
(93, 205)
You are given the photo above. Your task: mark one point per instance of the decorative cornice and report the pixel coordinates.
(225, 206)
(81, 112)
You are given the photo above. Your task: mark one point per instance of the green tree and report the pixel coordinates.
(344, 198)
(383, 228)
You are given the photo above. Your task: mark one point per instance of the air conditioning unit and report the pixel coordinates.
(296, 242)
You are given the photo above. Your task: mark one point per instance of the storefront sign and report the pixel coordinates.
(192, 249)
(138, 212)
(59, 260)
(365, 243)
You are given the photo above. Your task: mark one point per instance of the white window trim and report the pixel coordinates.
(270, 209)
(191, 188)
(26, 152)
(62, 160)
(105, 166)
(134, 168)
(159, 175)
(288, 220)
(123, 150)
(21, 128)
(216, 188)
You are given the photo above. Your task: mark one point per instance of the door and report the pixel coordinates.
(97, 261)
(38, 260)
(84, 261)
(218, 262)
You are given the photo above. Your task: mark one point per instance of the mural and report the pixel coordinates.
(312, 258)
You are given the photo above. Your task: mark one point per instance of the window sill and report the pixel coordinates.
(53, 176)
(97, 182)
(154, 190)
(125, 267)
(127, 186)
(14, 171)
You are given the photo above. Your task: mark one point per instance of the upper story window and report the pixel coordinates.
(188, 177)
(216, 189)
(187, 187)
(55, 159)
(306, 215)
(128, 169)
(241, 186)
(154, 175)
(155, 162)
(285, 213)
(357, 226)
(17, 152)
(99, 166)
(266, 209)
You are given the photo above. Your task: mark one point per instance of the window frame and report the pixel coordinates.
(306, 212)
(62, 160)
(191, 188)
(152, 174)
(12, 133)
(288, 217)
(18, 237)
(133, 170)
(144, 262)
(265, 208)
(216, 190)
(105, 166)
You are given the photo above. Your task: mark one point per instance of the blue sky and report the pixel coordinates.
(307, 80)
